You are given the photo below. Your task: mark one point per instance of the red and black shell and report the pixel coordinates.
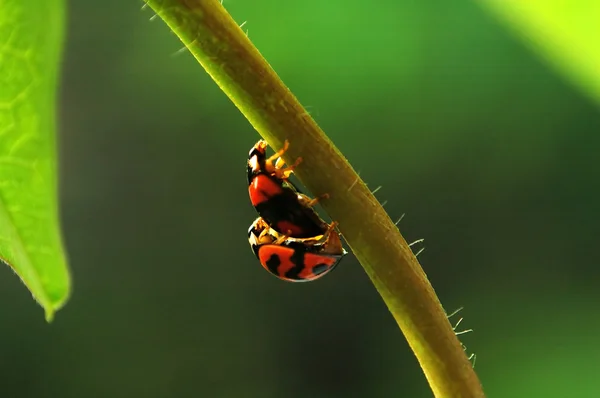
(278, 201)
(295, 260)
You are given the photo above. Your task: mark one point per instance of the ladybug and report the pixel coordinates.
(283, 207)
(295, 260)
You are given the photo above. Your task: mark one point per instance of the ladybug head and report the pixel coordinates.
(256, 159)
(259, 150)
(259, 234)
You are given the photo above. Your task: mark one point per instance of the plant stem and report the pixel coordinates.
(227, 54)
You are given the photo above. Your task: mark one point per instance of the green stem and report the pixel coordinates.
(227, 54)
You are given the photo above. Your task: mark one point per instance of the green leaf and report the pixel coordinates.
(565, 33)
(31, 33)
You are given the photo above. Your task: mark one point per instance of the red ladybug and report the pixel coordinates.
(295, 260)
(277, 200)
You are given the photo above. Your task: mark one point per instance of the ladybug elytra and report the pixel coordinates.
(283, 207)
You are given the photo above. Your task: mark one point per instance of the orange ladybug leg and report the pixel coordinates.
(284, 172)
(267, 234)
(280, 152)
(277, 169)
(263, 233)
(279, 163)
(280, 240)
(331, 227)
(316, 200)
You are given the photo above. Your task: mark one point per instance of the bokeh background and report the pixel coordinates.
(489, 151)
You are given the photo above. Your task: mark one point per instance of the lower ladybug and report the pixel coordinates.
(276, 199)
(295, 260)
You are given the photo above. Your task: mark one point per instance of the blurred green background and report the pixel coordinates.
(487, 149)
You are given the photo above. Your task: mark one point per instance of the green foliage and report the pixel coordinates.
(30, 42)
(564, 32)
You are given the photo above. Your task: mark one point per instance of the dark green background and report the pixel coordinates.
(488, 151)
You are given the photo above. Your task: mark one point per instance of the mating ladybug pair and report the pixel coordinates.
(290, 240)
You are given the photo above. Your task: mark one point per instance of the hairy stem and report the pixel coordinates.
(225, 52)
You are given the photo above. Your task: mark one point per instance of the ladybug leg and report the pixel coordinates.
(280, 240)
(279, 163)
(284, 172)
(279, 153)
(278, 169)
(266, 236)
(332, 244)
(331, 227)
(311, 202)
(263, 233)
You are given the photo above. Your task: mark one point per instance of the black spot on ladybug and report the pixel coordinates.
(298, 259)
(273, 263)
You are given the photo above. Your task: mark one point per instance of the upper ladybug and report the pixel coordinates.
(276, 199)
